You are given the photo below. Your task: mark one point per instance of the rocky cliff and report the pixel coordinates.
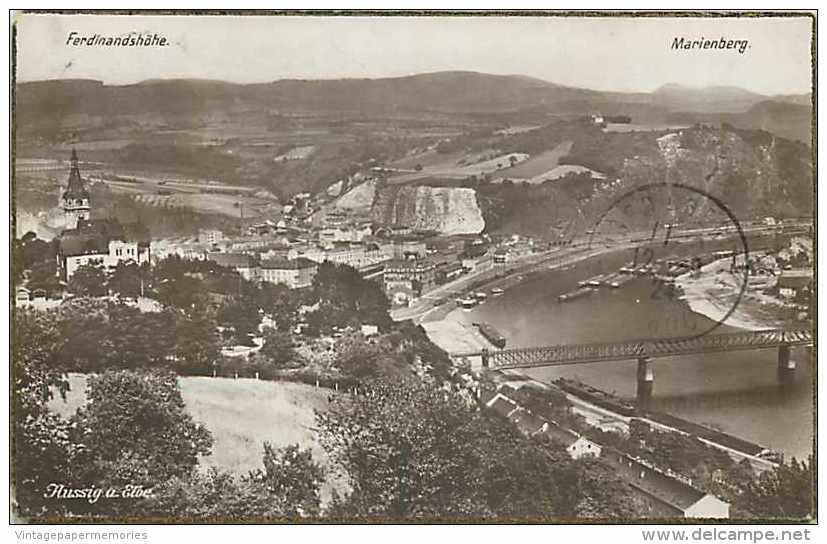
(449, 210)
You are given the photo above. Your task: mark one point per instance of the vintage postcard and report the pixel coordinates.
(413, 267)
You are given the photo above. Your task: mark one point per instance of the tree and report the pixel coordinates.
(361, 359)
(88, 281)
(287, 488)
(346, 298)
(44, 276)
(292, 479)
(278, 349)
(40, 448)
(195, 343)
(126, 280)
(786, 492)
(175, 282)
(593, 490)
(281, 303)
(134, 430)
(216, 496)
(411, 450)
(240, 314)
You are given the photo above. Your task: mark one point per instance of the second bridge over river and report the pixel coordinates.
(644, 350)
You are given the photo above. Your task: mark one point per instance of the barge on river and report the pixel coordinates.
(491, 334)
(583, 291)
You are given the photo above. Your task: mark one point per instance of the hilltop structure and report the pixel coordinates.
(99, 242)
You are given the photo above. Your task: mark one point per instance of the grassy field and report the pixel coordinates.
(539, 164)
(241, 414)
(429, 160)
(554, 174)
(629, 127)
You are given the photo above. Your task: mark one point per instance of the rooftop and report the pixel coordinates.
(232, 260)
(288, 264)
(74, 187)
(94, 236)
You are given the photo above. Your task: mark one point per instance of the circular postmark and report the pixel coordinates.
(677, 236)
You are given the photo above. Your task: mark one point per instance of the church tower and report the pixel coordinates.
(76, 205)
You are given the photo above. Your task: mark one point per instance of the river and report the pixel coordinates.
(735, 392)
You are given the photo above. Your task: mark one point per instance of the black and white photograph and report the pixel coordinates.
(409, 267)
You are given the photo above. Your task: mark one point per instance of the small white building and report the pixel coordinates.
(23, 298)
(583, 447)
(708, 506)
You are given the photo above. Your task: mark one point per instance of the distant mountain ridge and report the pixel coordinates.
(455, 92)
(433, 91)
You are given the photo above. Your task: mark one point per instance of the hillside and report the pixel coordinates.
(456, 92)
(755, 174)
(789, 119)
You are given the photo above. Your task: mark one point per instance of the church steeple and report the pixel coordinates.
(76, 203)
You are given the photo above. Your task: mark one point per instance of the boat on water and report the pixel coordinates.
(583, 291)
(621, 281)
(467, 303)
(596, 281)
(612, 280)
(628, 268)
(497, 291)
(491, 334)
(480, 296)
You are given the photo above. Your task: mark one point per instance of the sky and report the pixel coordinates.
(612, 54)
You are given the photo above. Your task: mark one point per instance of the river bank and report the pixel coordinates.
(716, 291)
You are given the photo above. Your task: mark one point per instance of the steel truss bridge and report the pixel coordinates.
(570, 354)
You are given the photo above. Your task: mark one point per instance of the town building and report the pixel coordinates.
(420, 273)
(665, 493)
(344, 233)
(449, 271)
(793, 282)
(294, 273)
(409, 248)
(482, 263)
(210, 236)
(244, 264)
(393, 231)
(501, 256)
(400, 293)
(23, 297)
(356, 255)
(99, 242)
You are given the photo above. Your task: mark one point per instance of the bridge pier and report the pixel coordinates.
(786, 366)
(645, 383)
